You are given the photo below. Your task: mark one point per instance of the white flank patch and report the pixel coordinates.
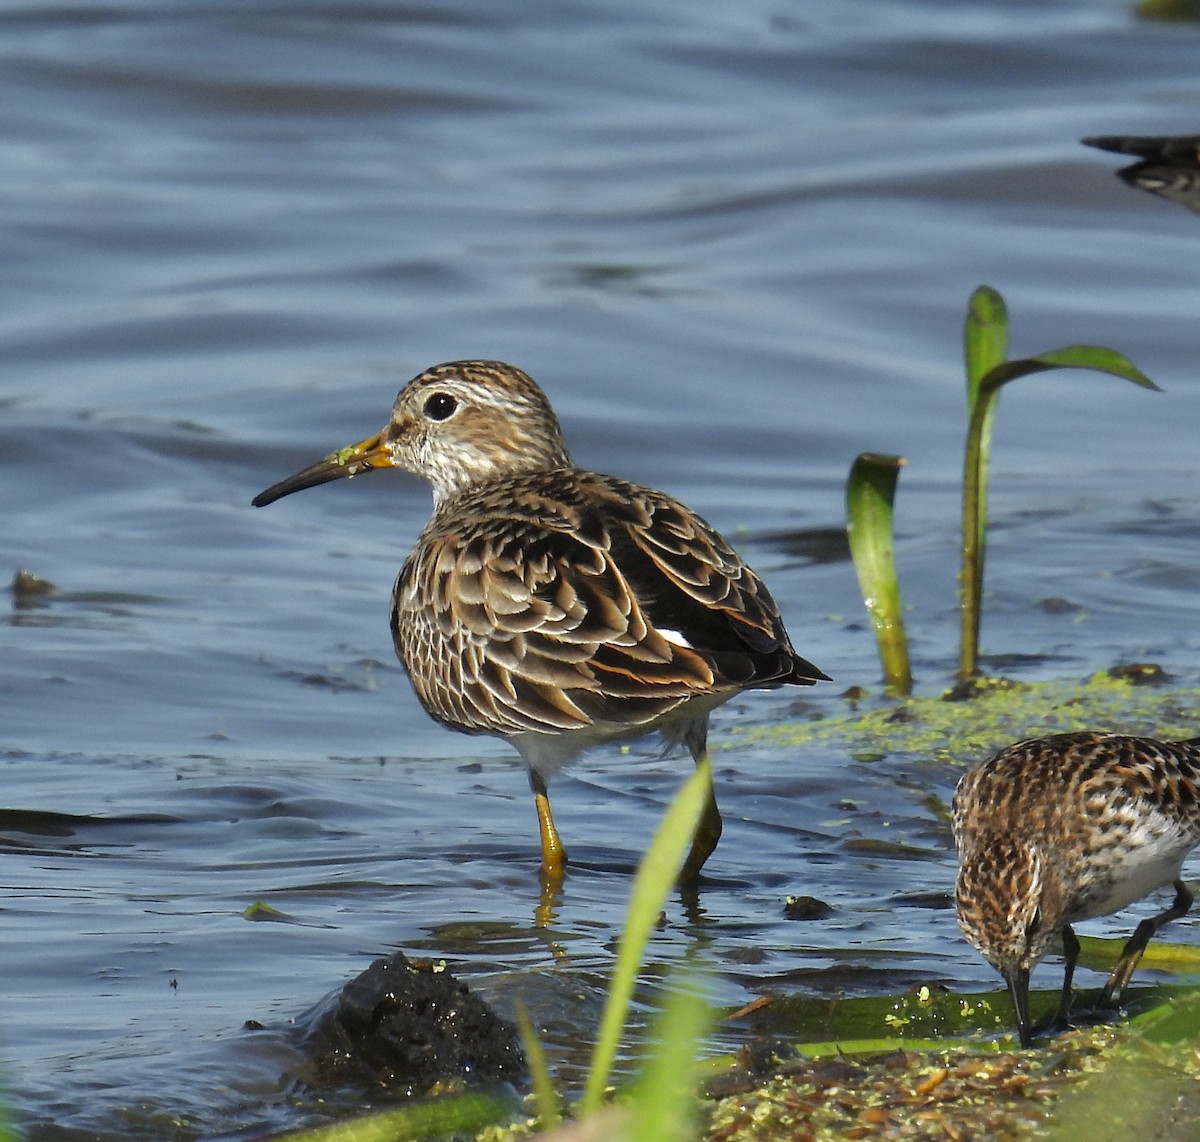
(675, 637)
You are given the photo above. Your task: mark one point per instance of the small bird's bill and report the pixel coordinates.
(1018, 989)
(342, 464)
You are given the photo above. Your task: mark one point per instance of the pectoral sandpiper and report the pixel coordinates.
(552, 606)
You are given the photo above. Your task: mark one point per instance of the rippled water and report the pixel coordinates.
(734, 243)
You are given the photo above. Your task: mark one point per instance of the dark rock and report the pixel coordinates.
(1141, 674)
(806, 908)
(408, 1026)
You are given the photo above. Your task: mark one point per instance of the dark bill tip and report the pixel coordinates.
(1018, 990)
(341, 465)
(319, 473)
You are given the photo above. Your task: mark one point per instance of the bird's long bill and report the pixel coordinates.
(1018, 990)
(344, 463)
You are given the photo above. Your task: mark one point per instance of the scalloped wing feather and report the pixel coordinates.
(542, 609)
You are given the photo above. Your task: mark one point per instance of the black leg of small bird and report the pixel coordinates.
(1070, 944)
(1140, 938)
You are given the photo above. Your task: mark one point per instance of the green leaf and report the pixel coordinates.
(436, 1117)
(1094, 358)
(985, 336)
(1102, 953)
(986, 329)
(260, 911)
(870, 492)
(663, 1106)
(1175, 1020)
(653, 881)
(544, 1095)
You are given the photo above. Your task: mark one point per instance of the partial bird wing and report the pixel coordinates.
(559, 599)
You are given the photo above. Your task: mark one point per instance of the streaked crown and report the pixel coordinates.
(467, 423)
(1009, 903)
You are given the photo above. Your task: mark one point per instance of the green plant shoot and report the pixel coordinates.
(985, 342)
(870, 492)
(654, 878)
(433, 1118)
(544, 1095)
(664, 1104)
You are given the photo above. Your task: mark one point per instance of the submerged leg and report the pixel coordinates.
(1140, 938)
(554, 855)
(708, 828)
(1070, 956)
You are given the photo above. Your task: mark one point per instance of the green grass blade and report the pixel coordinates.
(1175, 1020)
(8, 1129)
(664, 1104)
(870, 493)
(653, 881)
(1094, 358)
(544, 1095)
(463, 1113)
(1102, 953)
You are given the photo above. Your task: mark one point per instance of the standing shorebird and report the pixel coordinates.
(552, 606)
(1060, 829)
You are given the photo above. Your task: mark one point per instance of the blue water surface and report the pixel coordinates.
(734, 243)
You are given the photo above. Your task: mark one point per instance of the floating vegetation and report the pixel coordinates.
(1090, 1084)
(29, 589)
(1173, 11)
(1001, 711)
(941, 1094)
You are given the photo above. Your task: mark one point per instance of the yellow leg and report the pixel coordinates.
(708, 831)
(554, 855)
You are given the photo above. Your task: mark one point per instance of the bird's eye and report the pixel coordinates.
(440, 406)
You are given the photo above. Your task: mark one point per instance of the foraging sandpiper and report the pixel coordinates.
(1059, 829)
